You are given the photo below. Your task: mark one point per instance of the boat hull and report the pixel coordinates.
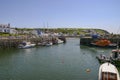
(26, 46)
(108, 71)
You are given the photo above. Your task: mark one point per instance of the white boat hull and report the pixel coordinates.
(26, 45)
(60, 41)
(108, 71)
(49, 44)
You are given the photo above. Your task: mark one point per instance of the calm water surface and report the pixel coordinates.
(58, 62)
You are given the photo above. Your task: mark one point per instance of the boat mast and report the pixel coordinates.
(118, 41)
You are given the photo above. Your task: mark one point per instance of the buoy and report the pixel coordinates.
(87, 70)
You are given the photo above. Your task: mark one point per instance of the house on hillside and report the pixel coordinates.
(37, 32)
(5, 28)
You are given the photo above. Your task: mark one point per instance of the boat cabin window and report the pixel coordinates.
(108, 76)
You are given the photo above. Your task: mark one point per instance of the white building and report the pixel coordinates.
(13, 31)
(5, 28)
(37, 32)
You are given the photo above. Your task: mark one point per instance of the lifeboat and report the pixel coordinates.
(104, 43)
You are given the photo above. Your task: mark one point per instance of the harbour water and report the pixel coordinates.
(68, 61)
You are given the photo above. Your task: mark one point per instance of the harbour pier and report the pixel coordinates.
(14, 43)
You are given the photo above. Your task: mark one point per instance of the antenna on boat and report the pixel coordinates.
(43, 26)
(118, 41)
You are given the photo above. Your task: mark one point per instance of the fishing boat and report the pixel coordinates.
(108, 71)
(115, 57)
(26, 44)
(103, 58)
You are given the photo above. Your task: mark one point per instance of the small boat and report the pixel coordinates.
(108, 71)
(115, 54)
(49, 44)
(102, 58)
(26, 44)
(115, 57)
(59, 41)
